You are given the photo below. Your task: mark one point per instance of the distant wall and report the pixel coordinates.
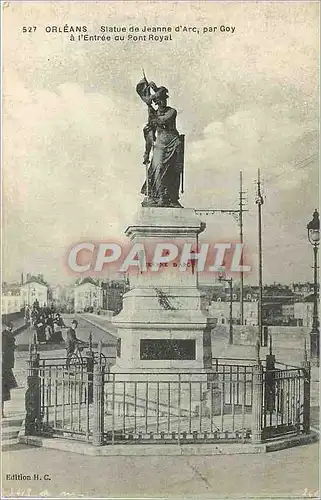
(282, 336)
(293, 336)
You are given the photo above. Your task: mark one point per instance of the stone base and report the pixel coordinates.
(197, 449)
(161, 324)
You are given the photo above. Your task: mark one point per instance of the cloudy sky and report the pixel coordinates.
(73, 125)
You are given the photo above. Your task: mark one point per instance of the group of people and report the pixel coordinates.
(47, 322)
(9, 345)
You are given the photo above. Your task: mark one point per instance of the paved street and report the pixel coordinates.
(284, 473)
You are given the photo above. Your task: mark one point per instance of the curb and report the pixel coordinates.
(20, 329)
(143, 450)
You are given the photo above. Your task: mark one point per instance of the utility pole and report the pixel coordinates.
(259, 201)
(241, 241)
(237, 214)
(230, 283)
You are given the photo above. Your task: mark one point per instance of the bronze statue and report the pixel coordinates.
(165, 170)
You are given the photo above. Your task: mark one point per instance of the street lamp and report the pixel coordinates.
(230, 282)
(314, 237)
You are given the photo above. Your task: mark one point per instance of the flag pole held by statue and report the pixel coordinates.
(147, 164)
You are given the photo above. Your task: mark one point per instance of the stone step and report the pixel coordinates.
(10, 428)
(11, 433)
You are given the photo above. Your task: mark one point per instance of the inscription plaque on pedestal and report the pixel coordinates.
(169, 349)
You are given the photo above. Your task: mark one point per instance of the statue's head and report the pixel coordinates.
(161, 95)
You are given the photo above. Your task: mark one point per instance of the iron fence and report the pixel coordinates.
(234, 401)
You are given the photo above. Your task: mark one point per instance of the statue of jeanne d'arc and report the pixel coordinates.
(164, 172)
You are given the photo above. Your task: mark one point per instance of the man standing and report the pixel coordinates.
(8, 379)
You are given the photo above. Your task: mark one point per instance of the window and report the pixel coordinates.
(234, 296)
(223, 321)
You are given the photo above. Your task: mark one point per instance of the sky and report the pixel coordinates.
(73, 144)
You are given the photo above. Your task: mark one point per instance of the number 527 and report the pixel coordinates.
(29, 29)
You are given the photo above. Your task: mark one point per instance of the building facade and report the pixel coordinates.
(34, 289)
(88, 294)
(303, 313)
(220, 310)
(11, 303)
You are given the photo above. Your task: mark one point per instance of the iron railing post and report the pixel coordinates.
(257, 400)
(98, 405)
(306, 368)
(90, 361)
(270, 381)
(33, 394)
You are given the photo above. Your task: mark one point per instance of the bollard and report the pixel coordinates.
(257, 401)
(98, 406)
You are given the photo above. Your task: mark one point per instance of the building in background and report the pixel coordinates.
(303, 312)
(11, 300)
(113, 291)
(278, 305)
(35, 288)
(63, 298)
(302, 290)
(88, 295)
(220, 310)
(218, 298)
(283, 305)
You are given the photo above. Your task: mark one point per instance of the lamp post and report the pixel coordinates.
(230, 282)
(314, 237)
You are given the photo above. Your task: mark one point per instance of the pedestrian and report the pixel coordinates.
(40, 328)
(27, 316)
(72, 342)
(49, 326)
(58, 326)
(8, 379)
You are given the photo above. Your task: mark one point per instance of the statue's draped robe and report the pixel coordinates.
(165, 168)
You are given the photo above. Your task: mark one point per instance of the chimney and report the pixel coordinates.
(21, 278)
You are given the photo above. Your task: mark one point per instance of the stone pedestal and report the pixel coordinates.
(161, 324)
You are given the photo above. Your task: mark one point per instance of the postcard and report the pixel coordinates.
(160, 256)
